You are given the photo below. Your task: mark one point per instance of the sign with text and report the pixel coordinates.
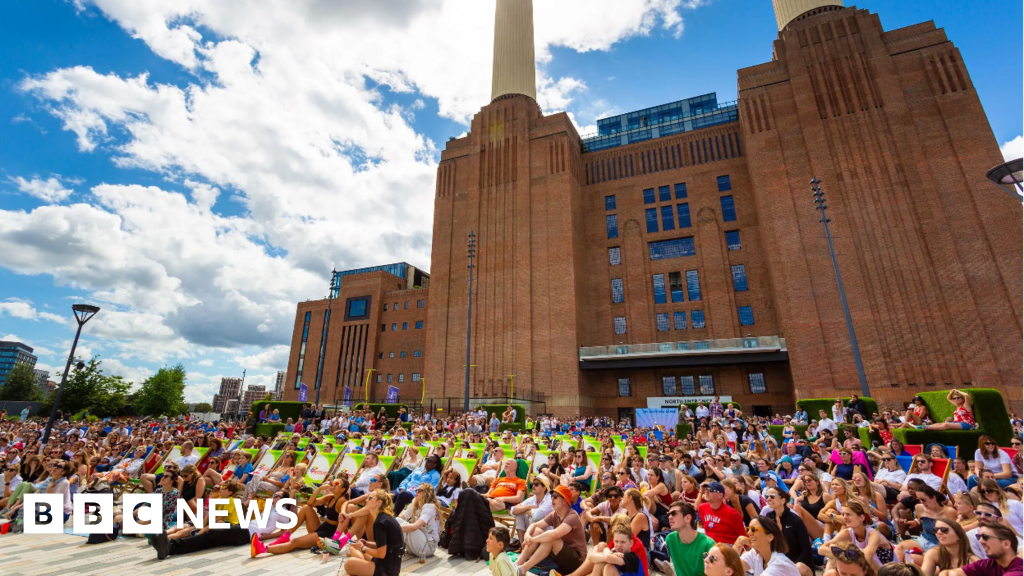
(676, 401)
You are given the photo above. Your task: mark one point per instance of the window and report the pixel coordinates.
(618, 296)
(385, 307)
(668, 385)
(419, 324)
(378, 378)
(728, 209)
(664, 194)
(732, 240)
(668, 220)
(609, 202)
(707, 384)
(614, 256)
(415, 376)
(380, 355)
(401, 354)
(390, 379)
(302, 349)
(671, 248)
(649, 196)
(746, 315)
(684, 214)
(652, 220)
(620, 324)
(680, 191)
(383, 327)
(405, 325)
(686, 385)
(357, 308)
(417, 353)
(394, 326)
(675, 286)
(693, 285)
(421, 303)
(724, 184)
(739, 278)
(757, 383)
(662, 321)
(659, 289)
(624, 387)
(697, 319)
(612, 223)
(406, 306)
(391, 354)
(401, 377)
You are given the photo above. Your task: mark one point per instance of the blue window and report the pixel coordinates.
(401, 354)
(693, 285)
(668, 385)
(697, 319)
(618, 296)
(612, 223)
(421, 303)
(394, 326)
(405, 325)
(662, 321)
(732, 240)
(652, 220)
(417, 353)
(680, 191)
(415, 376)
(664, 194)
(684, 214)
(649, 196)
(659, 289)
(739, 278)
(668, 220)
(624, 388)
(707, 384)
(614, 256)
(724, 184)
(357, 309)
(746, 315)
(675, 286)
(757, 383)
(728, 209)
(672, 248)
(686, 385)
(390, 379)
(419, 324)
(679, 319)
(609, 202)
(620, 324)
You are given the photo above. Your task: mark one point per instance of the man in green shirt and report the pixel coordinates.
(686, 546)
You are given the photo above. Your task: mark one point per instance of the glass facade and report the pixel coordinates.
(676, 248)
(12, 353)
(668, 385)
(707, 384)
(686, 385)
(302, 349)
(672, 118)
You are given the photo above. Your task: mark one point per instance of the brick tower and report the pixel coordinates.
(514, 182)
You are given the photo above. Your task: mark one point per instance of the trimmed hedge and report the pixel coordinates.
(268, 430)
(813, 405)
(682, 429)
(285, 409)
(776, 432)
(515, 427)
(390, 409)
(499, 409)
(989, 412)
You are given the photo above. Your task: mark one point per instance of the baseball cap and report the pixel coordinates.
(564, 492)
(716, 487)
(736, 457)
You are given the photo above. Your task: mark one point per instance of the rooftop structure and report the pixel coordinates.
(660, 121)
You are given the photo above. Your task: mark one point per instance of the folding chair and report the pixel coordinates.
(913, 449)
(119, 488)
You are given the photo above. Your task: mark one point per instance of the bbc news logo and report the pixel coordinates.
(142, 513)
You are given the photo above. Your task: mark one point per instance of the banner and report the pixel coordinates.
(303, 392)
(392, 395)
(348, 396)
(676, 401)
(653, 417)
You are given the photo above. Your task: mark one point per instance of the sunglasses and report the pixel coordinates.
(990, 443)
(921, 462)
(887, 459)
(942, 529)
(849, 554)
(673, 514)
(987, 515)
(709, 558)
(753, 530)
(984, 491)
(986, 537)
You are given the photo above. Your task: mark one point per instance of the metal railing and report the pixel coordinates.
(691, 347)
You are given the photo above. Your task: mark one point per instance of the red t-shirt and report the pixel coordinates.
(724, 525)
(989, 567)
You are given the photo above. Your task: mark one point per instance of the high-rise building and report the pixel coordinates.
(253, 393)
(12, 353)
(279, 385)
(230, 389)
(42, 376)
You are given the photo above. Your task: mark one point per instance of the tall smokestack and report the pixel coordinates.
(515, 70)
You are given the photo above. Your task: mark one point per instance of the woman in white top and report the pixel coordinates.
(421, 535)
(1012, 510)
(994, 459)
(763, 550)
(535, 508)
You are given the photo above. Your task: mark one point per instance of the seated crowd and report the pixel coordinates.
(570, 497)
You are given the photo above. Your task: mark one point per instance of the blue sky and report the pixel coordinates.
(195, 170)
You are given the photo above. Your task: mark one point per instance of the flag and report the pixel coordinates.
(348, 396)
(303, 392)
(392, 395)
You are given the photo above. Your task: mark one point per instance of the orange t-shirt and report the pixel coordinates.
(504, 487)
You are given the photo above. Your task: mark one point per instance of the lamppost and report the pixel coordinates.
(1009, 174)
(471, 252)
(821, 205)
(323, 338)
(83, 313)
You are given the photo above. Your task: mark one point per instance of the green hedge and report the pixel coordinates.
(813, 405)
(407, 426)
(285, 409)
(269, 430)
(776, 432)
(515, 427)
(682, 429)
(989, 412)
(500, 409)
(390, 409)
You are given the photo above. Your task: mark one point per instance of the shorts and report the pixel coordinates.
(965, 426)
(326, 530)
(568, 559)
(891, 494)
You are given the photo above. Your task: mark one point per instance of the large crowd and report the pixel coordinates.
(560, 497)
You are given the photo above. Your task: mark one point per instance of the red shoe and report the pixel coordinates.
(283, 539)
(256, 547)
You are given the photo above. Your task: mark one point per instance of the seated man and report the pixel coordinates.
(508, 490)
(489, 469)
(372, 468)
(565, 542)
(599, 517)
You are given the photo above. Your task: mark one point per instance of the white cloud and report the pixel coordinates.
(274, 358)
(205, 362)
(1013, 149)
(24, 310)
(49, 190)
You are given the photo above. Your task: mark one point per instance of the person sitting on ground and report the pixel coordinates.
(420, 525)
(565, 542)
(327, 501)
(764, 550)
(859, 531)
(850, 561)
(794, 532)
(953, 551)
(383, 556)
(599, 517)
(535, 508)
(498, 541)
(686, 546)
(207, 537)
(722, 523)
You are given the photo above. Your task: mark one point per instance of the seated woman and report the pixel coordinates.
(354, 514)
(123, 470)
(953, 551)
(213, 475)
(429, 473)
(963, 413)
(383, 556)
(995, 459)
(273, 480)
(319, 515)
(915, 414)
(858, 531)
(420, 525)
(167, 487)
(931, 506)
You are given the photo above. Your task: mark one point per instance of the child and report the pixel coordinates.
(497, 542)
(620, 558)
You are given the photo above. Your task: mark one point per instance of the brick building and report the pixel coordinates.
(678, 251)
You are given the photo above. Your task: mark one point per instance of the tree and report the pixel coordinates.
(163, 393)
(202, 408)
(21, 385)
(90, 389)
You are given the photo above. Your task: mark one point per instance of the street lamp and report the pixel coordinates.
(83, 313)
(471, 253)
(1009, 174)
(323, 338)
